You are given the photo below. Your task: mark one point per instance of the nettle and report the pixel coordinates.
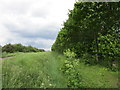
(69, 54)
(71, 73)
(70, 70)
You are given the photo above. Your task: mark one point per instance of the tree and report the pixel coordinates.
(86, 21)
(18, 47)
(8, 48)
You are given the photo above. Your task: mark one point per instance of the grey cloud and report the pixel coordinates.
(48, 32)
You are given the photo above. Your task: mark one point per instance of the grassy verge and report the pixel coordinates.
(45, 70)
(98, 77)
(4, 54)
(33, 70)
(85, 76)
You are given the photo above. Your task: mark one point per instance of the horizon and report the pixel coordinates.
(25, 45)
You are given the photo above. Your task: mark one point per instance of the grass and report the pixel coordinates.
(33, 70)
(98, 77)
(42, 70)
(4, 54)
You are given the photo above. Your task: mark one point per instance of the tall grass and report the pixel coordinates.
(43, 70)
(97, 76)
(33, 70)
(4, 54)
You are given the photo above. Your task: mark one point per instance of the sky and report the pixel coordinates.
(32, 22)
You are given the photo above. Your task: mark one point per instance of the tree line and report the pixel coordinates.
(11, 48)
(92, 31)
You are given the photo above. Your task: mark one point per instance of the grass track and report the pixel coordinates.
(33, 70)
(42, 70)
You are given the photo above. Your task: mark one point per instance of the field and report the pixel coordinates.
(45, 70)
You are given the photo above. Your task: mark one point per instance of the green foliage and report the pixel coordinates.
(80, 33)
(69, 54)
(108, 50)
(108, 47)
(88, 59)
(72, 74)
(10, 48)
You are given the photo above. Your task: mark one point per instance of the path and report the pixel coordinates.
(1, 58)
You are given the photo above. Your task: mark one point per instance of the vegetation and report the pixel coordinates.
(52, 70)
(92, 32)
(5, 55)
(9, 48)
(89, 39)
(33, 70)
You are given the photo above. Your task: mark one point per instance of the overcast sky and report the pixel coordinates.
(32, 22)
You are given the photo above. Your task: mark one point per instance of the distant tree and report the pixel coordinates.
(8, 48)
(40, 50)
(0, 47)
(20, 48)
(0, 51)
